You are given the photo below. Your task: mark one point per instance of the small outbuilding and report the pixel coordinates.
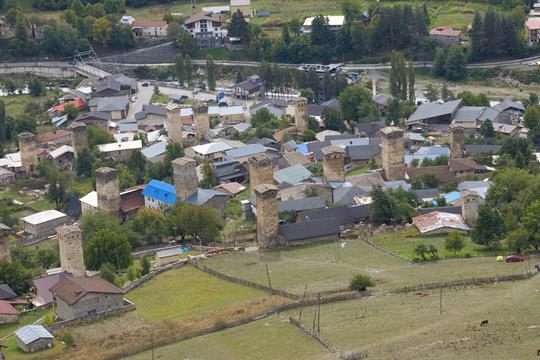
(32, 338)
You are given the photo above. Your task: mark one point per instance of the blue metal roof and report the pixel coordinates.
(160, 191)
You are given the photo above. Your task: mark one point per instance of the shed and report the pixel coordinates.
(31, 338)
(168, 256)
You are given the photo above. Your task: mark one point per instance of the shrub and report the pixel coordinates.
(145, 266)
(68, 339)
(49, 319)
(361, 282)
(131, 275)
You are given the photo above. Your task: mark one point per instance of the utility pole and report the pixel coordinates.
(319, 314)
(302, 304)
(152, 341)
(268, 276)
(440, 303)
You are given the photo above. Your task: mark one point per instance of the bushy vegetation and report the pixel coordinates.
(360, 282)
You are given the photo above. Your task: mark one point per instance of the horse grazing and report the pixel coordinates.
(485, 322)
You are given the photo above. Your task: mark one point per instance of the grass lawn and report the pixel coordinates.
(16, 104)
(14, 353)
(42, 205)
(25, 319)
(185, 292)
(267, 339)
(404, 246)
(318, 265)
(410, 326)
(357, 171)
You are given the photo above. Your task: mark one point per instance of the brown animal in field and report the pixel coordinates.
(485, 322)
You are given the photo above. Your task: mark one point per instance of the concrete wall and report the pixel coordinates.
(49, 70)
(9, 318)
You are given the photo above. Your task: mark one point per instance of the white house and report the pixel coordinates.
(334, 22)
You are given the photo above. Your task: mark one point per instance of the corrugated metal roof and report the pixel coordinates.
(44, 216)
(160, 191)
(293, 174)
(127, 145)
(155, 150)
(30, 333)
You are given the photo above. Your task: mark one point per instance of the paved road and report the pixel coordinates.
(145, 94)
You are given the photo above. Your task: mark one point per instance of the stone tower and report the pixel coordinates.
(174, 124)
(71, 251)
(267, 215)
(79, 138)
(185, 177)
(457, 143)
(470, 203)
(200, 120)
(108, 190)
(333, 163)
(28, 149)
(5, 252)
(300, 114)
(393, 153)
(261, 171)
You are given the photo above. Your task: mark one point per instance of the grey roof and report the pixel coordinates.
(112, 104)
(154, 150)
(30, 333)
(315, 110)
(381, 99)
(426, 194)
(175, 251)
(293, 174)
(128, 125)
(348, 195)
(6, 292)
(305, 231)
(202, 196)
(472, 149)
(125, 81)
(344, 215)
(370, 128)
(434, 109)
(469, 114)
(446, 209)
(362, 152)
(344, 143)
(289, 145)
(151, 109)
(247, 150)
(467, 185)
(509, 104)
(396, 184)
(309, 203)
(228, 170)
(315, 147)
(96, 114)
(489, 114)
(366, 179)
(332, 103)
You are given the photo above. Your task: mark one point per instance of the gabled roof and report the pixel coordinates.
(438, 220)
(154, 150)
(422, 194)
(247, 150)
(442, 172)
(43, 285)
(446, 209)
(444, 31)
(117, 146)
(43, 216)
(370, 128)
(469, 114)
(61, 151)
(366, 179)
(30, 333)
(53, 135)
(160, 191)
(465, 164)
(310, 203)
(305, 231)
(509, 104)
(212, 148)
(473, 149)
(202, 196)
(434, 109)
(208, 16)
(344, 215)
(112, 104)
(72, 289)
(7, 309)
(350, 195)
(151, 109)
(362, 152)
(94, 114)
(6, 293)
(293, 174)
(381, 99)
(232, 188)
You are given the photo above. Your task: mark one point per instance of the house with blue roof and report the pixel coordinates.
(159, 195)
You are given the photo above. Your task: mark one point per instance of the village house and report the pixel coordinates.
(116, 107)
(211, 151)
(227, 114)
(151, 115)
(7, 293)
(6, 176)
(206, 28)
(59, 109)
(168, 256)
(32, 338)
(55, 138)
(249, 87)
(98, 119)
(62, 157)
(149, 28)
(334, 23)
(532, 26)
(8, 313)
(437, 222)
(120, 151)
(78, 297)
(445, 35)
(40, 225)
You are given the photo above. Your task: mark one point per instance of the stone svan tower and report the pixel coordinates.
(5, 252)
(457, 142)
(71, 251)
(79, 138)
(28, 149)
(200, 120)
(470, 204)
(174, 124)
(393, 153)
(333, 163)
(300, 114)
(261, 171)
(108, 190)
(185, 177)
(267, 215)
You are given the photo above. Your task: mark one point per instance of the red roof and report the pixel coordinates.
(141, 23)
(6, 308)
(533, 24)
(53, 135)
(78, 103)
(278, 135)
(72, 289)
(232, 188)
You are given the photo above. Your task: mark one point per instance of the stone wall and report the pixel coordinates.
(267, 215)
(28, 149)
(457, 142)
(79, 138)
(470, 204)
(333, 163)
(201, 120)
(300, 114)
(5, 252)
(108, 190)
(260, 171)
(174, 125)
(393, 153)
(71, 251)
(185, 177)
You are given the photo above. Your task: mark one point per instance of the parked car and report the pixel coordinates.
(145, 84)
(514, 258)
(195, 92)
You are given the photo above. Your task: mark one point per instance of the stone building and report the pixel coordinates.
(71, 252)
(78, 297)
(5, 252)
(174, 124)
(185, 177)
(261, 171)
(79, 138)
(28, 149)
(108, 190)
(393, 153)
(333, 163)
(300, 114)
(267, 215)
(32, 338)
(457, 143)
(201, 120)
(43, 224)
(470, 204)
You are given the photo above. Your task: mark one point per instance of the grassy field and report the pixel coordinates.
(404, 246)
(319, 267)
(267, 339)
(357, 171)
(177, 294)
(410, 326)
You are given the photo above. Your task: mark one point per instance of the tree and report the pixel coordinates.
(3, 122)
(186, 43)
(91, 223)
(102, 31)
(518, 240)
(106, 272)
(332, 119)
(211, 72)
(455, 64)
(179, 68)
(356, 104)
(489, 227)
(432, 94)
(446, 94)
(532, 116)
(531, 224)
(15, 275)
(57, 193)
(68, 339)
(439, 62)
(412, 92)
(149, 224)
(97, 136)
(136, 164)
(36, 86)
(188, 69)
(454, 242)
(398, 77)
(486, 130)
(421, 250)
(209, 176)
(519, 149)
(360, 282)
(71, 111)
(107, 245)
(84, 163)
(238, 27)
(197, 222)
(145, 265)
